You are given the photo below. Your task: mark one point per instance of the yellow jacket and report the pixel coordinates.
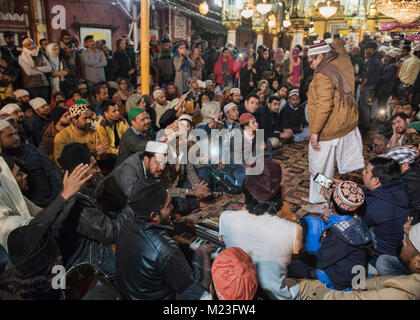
(327, 115)
(106, 133)
(72, 134)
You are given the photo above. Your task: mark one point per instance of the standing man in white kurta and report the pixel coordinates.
(332, 115)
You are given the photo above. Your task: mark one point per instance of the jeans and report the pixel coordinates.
(299, 137)
(390, 266)
(364, 107)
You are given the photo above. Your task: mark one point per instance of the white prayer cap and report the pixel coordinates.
(208, 82)
(201, 84)
(37, 103)
(383, 49)
(11, 107)
(294, 92)
(19, 93)
(174, 102)
(318, 48)
(367, 33)
(329, 41)
(414, 236)
(156, 147)
(157, 93)
(378, 34)
(185, 117)
(387, 39)
(228, 107)
(26, 40)
(4, 124)
(391, 53)
(235, 90)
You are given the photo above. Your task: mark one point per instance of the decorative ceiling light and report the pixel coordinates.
(203, 8)
(286, 23)
(248, 12)
(405, 11)
(327, 11)
(218, 3)
(264, 7)
(272, 21)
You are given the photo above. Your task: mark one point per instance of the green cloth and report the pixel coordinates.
(81, 101)
(134, 112)
(415, 125)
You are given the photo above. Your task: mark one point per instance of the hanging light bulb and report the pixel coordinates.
(327, 11)
(203, 8)
(264, 7)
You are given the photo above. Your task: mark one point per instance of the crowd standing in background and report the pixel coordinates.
(85, 174)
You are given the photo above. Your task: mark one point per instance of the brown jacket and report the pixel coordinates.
(377, 288)
(328, 116)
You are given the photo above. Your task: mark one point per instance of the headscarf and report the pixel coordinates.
(54, 60)
(185, 66)
(279, 56)
(27, 55)
(336, 77)
(295, 66)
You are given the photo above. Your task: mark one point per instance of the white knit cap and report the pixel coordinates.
(378, 34)
(228, 107)
(391, 53)
(201, 84)
(294, 92)
(414, 236)
(156, 147)
(318, 48)
(11, 107)
(208, 82)
(20, 93)
(37, 103)
(4, 124)
(157, 93)
(387, 39)
(235, 90)
(383, 49)
(185, 117)
(367, 33)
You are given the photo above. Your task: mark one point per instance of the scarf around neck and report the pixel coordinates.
(336, 77)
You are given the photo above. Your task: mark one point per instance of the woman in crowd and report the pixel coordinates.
(195, 56)
(171, 92)
(182, 66)
(224, 69)
(58, 68)
(293, 69)
(121, 67)
(121, 96)
(263, 65)
(248, 76)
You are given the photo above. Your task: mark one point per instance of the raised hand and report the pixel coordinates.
(73, 182)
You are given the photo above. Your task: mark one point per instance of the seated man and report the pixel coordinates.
(410, 110)
(292, 116)
(161, 105)
(110, 129)
(150, 265)
(406, 287)
(342, 246)
(399, 122)
(387, 206)
(270, 123)
(39, 120)
(81, 131)
(44, 178)
(60, 120)
(268, 239)
(136, 137)
(16, 112)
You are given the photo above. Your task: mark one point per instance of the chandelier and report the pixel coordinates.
(264, 7)
(248, 12)
(327, 11)
(404, 11)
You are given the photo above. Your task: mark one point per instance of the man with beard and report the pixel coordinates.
(93, 61)
(34, 69)
(100, 94)
(60, 119)
(44, 178)
(293, 117)
(80, 130)
(150, 265)
(160, 105)
(332, 116)
(399, 127)
(10, 52)
(16, 112)
(39, 120)
(251, 105)
(164, 63)
(69, 54)
(22, 96)
(136, 137)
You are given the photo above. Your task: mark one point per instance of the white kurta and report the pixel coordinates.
(347, 151)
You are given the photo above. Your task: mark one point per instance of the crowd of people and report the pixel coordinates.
(93, 171)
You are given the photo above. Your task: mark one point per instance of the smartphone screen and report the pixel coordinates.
(323, 181)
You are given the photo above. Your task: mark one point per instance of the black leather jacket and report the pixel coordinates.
(151, 266)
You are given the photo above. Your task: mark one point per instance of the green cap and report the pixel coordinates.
(415, 125)
(81, 101)
(134, 112)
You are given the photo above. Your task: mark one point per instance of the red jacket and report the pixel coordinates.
(218, 68)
